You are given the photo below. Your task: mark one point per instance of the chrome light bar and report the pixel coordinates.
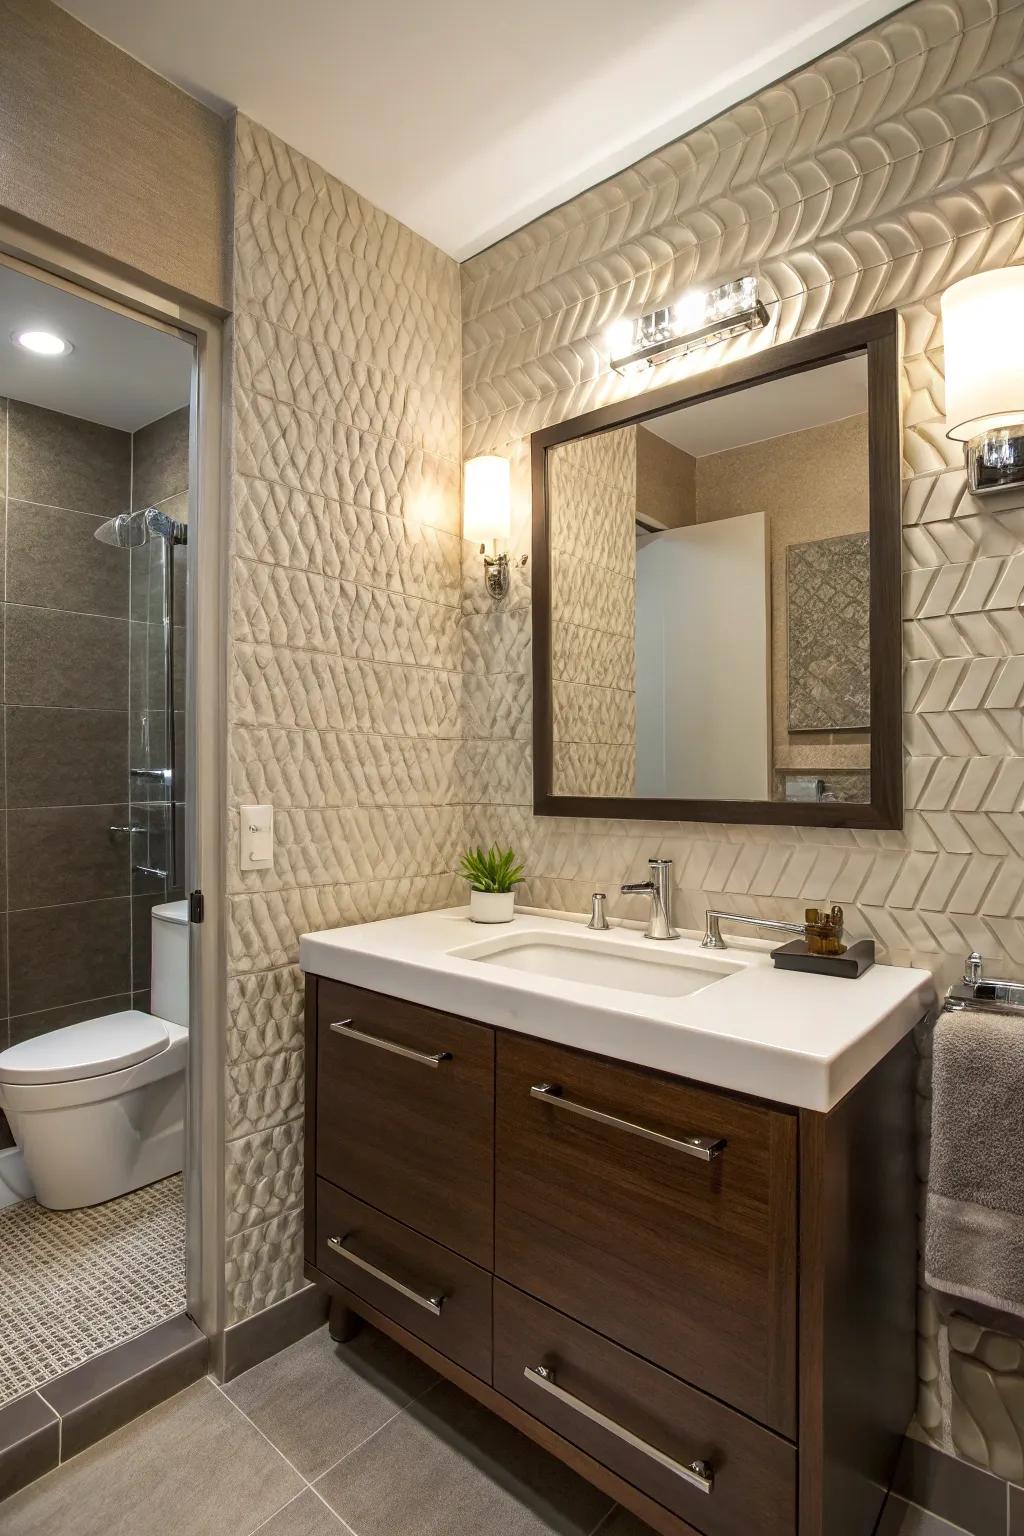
(699, 319)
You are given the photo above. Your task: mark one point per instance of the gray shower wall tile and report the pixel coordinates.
(62, 461)
(66, 756)
(69, 660)
(26, 1026)
(160, 459)
(54, 560)
(62, 854)
(59, 955)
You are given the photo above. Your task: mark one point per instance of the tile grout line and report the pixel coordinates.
(604, 1519)
(417, 1397)
(307, 1485)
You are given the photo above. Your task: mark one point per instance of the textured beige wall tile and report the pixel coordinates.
(872, 179)
(346, 632)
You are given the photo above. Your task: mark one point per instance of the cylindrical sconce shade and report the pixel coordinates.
(983, 328)
(485, 510)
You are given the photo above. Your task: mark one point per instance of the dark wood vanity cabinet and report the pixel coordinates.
(701, 1301)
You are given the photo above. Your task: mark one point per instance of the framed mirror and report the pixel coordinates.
(716, 606)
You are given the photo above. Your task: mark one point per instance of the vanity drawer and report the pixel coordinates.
(603, 1211)
(643, 1415)
(442, 1299)
(405, 1113)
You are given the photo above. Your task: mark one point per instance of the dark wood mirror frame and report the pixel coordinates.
(876, 337)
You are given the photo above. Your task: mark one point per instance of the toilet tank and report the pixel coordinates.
(169, 979)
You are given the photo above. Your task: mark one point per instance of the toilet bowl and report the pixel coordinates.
(98, 1108)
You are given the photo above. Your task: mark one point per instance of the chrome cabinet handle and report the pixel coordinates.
(698, 1474)
(429, 1303)
(425, 1058)
(705, 1148)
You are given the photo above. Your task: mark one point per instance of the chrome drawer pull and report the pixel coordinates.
(706, 1148)
(431, 1304)
(425, 1058)
(698, 1474)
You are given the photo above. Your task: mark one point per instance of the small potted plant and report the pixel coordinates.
(493, 877)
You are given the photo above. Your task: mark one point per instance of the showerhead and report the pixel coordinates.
(123, 531)
(130, 529)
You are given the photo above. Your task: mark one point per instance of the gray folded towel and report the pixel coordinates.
(974, 1226)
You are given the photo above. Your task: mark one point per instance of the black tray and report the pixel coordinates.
(860, 957)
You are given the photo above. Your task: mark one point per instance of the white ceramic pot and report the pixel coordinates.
(492, 906)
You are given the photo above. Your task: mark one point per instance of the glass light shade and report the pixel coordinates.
(983, 329)
(618, 338)
(486, 512)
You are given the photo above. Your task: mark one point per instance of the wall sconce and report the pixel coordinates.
(699, 319)
(983, 327)
(486, 514)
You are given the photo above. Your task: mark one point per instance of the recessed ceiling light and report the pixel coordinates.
(43, 343)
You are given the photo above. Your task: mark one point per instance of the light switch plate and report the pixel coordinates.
(256, 843)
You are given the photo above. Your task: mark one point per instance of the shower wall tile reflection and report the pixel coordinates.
(66, 909)
(159, 479)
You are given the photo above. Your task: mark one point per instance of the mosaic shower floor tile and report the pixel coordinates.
(74, 1283)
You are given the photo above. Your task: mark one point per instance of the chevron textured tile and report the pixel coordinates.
(346, 633)
(870, 180)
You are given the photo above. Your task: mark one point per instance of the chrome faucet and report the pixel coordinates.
(713, 934)
(659, 888)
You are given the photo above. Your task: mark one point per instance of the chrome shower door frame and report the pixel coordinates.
(46, 257)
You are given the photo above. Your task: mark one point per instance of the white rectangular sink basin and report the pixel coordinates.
(601, 962)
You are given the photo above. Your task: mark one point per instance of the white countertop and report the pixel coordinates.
(798, 1039)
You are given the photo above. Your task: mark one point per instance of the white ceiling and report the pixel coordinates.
(772, 409)
(122, 373)
(467, 118)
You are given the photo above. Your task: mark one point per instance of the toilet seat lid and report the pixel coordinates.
(90, 1049)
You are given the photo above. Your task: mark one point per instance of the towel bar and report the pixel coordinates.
(986, 994)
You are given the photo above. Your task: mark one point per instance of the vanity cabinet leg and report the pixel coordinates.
(344, 1324)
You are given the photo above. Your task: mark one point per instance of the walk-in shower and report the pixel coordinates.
(130, 530)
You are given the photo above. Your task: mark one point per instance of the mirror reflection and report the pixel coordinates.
(709, 598)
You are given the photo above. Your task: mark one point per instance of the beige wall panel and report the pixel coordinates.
(103, 152)
(811, 485)
(666, 481)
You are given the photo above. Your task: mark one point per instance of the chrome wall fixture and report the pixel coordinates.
(129, 530)
(699, 319)
(487, 517)
(983, 335)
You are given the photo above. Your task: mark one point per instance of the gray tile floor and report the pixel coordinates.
(323, 1441)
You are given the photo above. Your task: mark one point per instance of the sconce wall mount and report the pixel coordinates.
(983, 335)
(487, 515)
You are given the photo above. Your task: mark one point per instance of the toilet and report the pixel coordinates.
(98, 1108)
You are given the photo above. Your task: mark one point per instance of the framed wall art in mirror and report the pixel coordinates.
(716, 615)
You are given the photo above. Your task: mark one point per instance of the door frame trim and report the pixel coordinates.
(45, 256)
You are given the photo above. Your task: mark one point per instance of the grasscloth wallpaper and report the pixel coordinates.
(346, 659)
(870, 180)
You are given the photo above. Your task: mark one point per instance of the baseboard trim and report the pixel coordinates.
(258, 1337)
(953, 1490)
(73, 1411)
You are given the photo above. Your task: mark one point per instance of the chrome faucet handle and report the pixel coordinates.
(598, 920)
(659, 888)
(973, 968)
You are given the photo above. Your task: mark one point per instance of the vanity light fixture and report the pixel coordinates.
(487, 516)
(983, 330)
(43, 343)
(699, 319)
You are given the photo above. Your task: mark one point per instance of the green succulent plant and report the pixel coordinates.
(494, 871)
